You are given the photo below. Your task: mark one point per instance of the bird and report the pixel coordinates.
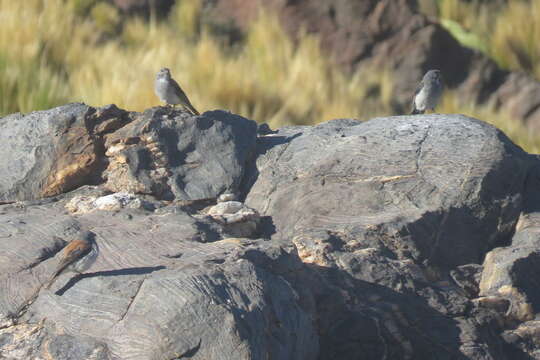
(168, 91)
(77, 256)
(428, 92)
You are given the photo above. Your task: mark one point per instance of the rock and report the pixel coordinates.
(525, 337)
(154, 276)
(371, 238)
(176, 156)
(496, 303)
(162, 152)
(237, 219)
(46, 153)
(422, 188)
(507, 271)
(112, 202)
(54, 151)
(226, 197)
(467, 277)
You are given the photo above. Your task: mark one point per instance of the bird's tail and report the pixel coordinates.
(415, 111)
(191, 109)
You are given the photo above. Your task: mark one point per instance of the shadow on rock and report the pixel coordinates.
(120, 272)
(358, 319)
(264, 144)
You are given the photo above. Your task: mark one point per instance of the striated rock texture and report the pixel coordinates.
(439, 190)
(397, 238)
(161, 152)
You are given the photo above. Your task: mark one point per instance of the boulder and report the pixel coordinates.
(158, 289)
(508, 270)
(46, 153)
(162, 152)
(176, 156)
(366, 240)
(440, 190)
(236, 218)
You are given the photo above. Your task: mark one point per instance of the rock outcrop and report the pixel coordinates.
(410, 237)
(164, 153)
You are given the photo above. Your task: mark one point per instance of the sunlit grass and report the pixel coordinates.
(515, 130)
(29, 85)
(515, 41)
(508, 32)
(268, 78)
(78, 51)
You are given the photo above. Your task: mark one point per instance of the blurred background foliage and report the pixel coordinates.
(84, 50)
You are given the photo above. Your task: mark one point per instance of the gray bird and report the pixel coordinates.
(168, 91)
(428, 92)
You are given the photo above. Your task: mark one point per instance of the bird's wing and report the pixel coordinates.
(419, 88)
(73, 251)
(183, 97)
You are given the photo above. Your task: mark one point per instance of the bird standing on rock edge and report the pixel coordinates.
(168, 91)
(77, 256)
(428, 92)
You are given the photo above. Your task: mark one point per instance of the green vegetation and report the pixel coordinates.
(507, 31)
(81, 50)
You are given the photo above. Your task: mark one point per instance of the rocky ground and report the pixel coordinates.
(412, 237)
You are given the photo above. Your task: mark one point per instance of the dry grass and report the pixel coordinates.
(508, 32)
(515, 130)
(267, 78)
(92, 59)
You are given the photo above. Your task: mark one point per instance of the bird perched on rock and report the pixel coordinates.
(428, 92)
(77, 256)
(168, 90)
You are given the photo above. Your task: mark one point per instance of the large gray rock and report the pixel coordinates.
(438, 190)
(46, 153)
(373, 236)
(162, 152)
(160, 289)
(509, 272)
(166, 284)
(175, 156)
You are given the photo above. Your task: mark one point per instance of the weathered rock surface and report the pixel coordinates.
(176, 156)
(398, 238)
(158, 289)
(439, 190)
(162, 152)
(49, 152)
(509, 271)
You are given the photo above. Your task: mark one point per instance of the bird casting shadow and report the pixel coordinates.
(119, 272)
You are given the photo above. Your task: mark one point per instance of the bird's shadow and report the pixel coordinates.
(190, 352)
(119, 272)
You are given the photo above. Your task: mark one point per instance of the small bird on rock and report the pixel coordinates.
(168, 91)
(77, 256)
(428, 92)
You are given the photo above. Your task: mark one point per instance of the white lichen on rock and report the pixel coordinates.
(112, 202)
(236, 218)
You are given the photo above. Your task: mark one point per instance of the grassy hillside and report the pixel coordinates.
(81, 50)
